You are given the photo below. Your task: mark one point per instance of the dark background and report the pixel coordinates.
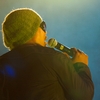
(74, 23)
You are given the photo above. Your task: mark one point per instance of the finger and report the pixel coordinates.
(74, 50)
(81, 52)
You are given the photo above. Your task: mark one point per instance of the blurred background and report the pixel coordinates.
(74, 23)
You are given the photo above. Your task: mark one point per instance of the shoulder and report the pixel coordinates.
(55, 56)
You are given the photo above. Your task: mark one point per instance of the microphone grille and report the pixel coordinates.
(52, 42)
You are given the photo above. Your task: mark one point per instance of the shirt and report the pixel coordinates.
(33, 72)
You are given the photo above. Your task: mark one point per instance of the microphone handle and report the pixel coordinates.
(64, 49)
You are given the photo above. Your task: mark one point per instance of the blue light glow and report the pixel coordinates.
(10, 71)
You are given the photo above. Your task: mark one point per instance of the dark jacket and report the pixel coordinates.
(33, 72)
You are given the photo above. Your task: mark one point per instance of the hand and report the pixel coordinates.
(79, 56)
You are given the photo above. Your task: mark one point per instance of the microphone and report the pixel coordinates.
(54, 44)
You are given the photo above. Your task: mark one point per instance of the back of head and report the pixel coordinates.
(19, 26)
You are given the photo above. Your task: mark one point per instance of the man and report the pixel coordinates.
(32, 71)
